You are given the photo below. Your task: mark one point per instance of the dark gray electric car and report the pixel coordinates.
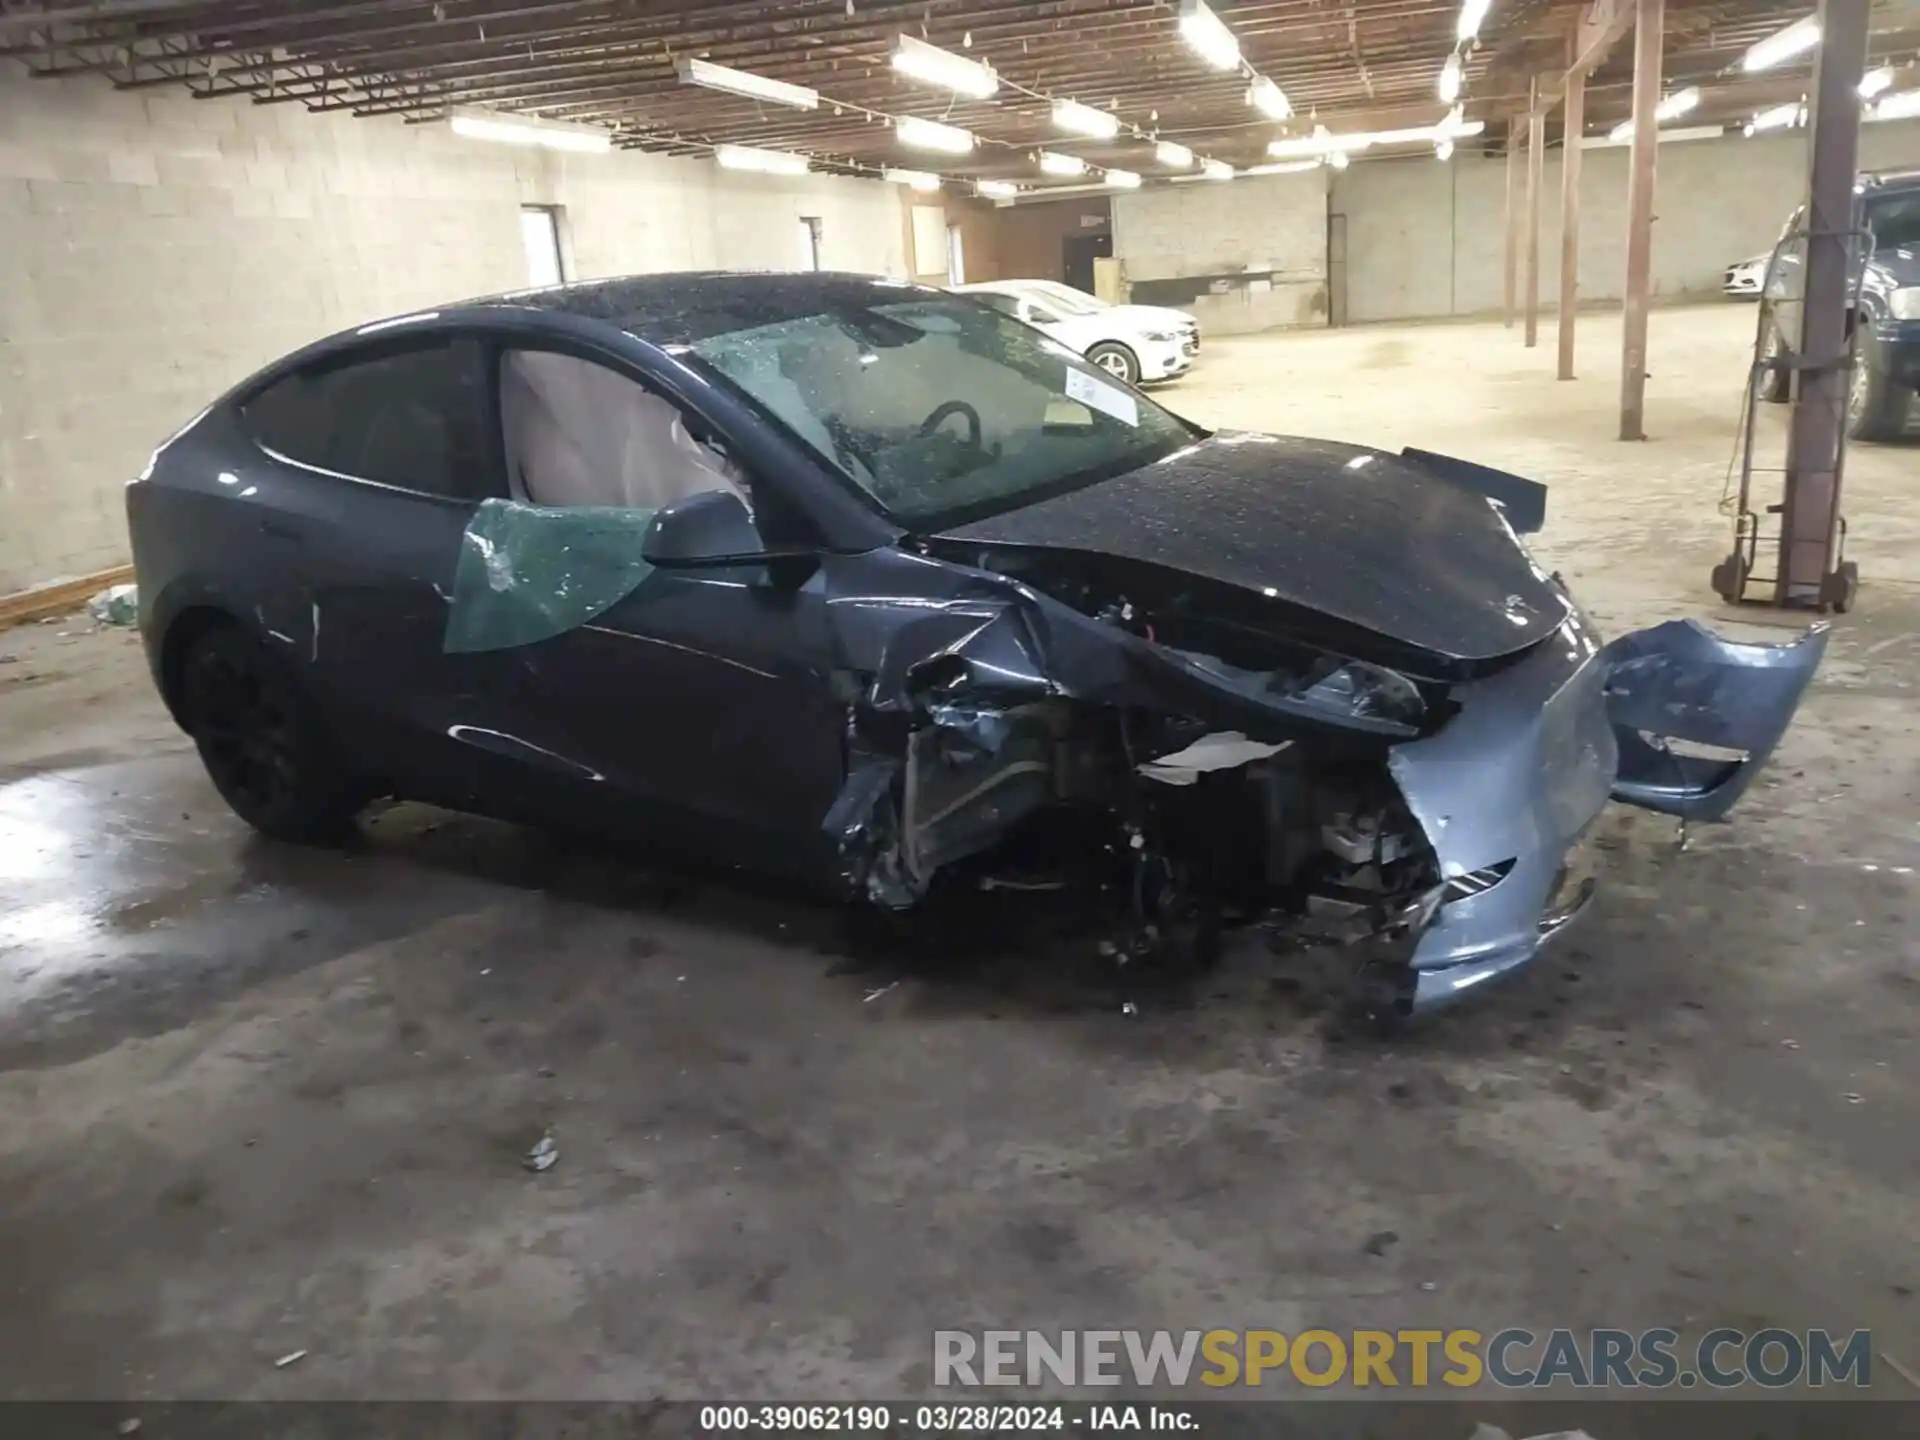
(871, 585)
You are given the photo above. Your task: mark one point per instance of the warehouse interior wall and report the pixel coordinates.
(1031, 238)
(1424, 239)
(1246, 255)
(155, 249)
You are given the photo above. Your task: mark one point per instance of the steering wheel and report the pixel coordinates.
(940, 415)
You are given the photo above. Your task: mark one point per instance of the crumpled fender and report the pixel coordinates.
(1681, 682)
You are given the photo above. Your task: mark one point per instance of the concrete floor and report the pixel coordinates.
(256, 1100)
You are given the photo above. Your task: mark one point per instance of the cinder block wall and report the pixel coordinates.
(1424, 238)
(1270, 226)
(155, 249)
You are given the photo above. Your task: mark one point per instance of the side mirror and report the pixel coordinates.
(708, 529)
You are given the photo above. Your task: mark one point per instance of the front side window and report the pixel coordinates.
(579, 433)
(941, 409)
(1894, 221)
(410, 418)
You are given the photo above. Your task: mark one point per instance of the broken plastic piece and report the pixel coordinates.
(544, 1155)
(116, 605)
(1222, 750)
(530, 572)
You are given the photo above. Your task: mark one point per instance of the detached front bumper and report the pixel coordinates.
(1508, 791)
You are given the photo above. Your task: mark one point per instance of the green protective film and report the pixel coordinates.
(530, 572)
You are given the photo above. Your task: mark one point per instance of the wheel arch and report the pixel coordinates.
(192, 621)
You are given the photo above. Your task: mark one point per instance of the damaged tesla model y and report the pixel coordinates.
(868, 584)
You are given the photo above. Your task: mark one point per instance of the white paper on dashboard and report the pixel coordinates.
(1107, 399)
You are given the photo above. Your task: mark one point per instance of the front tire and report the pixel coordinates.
(1117, 360)
(258, 736)
(1876, 404)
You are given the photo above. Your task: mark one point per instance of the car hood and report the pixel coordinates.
(1150, 315)
(1369, 539)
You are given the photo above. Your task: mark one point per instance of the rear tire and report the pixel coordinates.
(1117, 360)
(259, 738)
(1775, 385)
(1876, 405)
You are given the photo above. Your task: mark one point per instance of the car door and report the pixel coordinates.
(385, 456)
(698, 707)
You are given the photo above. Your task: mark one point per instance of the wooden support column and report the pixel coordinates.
(1536, 182)
(1811, 516)
(1571, 134)
(1513, 219)
(1648, 24)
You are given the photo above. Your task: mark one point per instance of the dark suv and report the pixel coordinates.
(1886, 315)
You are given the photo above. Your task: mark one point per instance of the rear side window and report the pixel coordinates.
(994, 300)
(410, 418)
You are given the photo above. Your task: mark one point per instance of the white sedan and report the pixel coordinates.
(1135, 343)
(1743, 281)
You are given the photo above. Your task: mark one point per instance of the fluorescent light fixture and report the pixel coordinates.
(1072, 116)
(996, 189)
(1450, 78)
(1443, 151)
(755, 87)
(1621, 132)
(1168, 153)
(1054, 163)
(1780, 117)
(1782, 45)
(1207, 35)
(1324, 144)
(1875, 81)
(1123, 179)
(1665, 137)
(930, 135)
(1455, 122)
(1286, 167)
(1677, 104)
(1898, 107)
(943, 68)
(912, 179)
(1338, 160)
(767, 162)
(526, 130)
(1269, 99)
(1216, 170)
(1473, 14)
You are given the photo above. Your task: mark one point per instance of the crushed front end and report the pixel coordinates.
(1202, 759)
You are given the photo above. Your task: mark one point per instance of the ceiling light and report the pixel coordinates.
(1443, 151)
(1168, 153)
(1269, 99)
(1288, 167)
(1782, 45)
(930, 135)
(996, 189)
(1054, 163)
(1450, 78)
(526, 130)
(739, 82)
(913, 179)
(1123, 179)
(1898, 107)
(1216, 170)
(1473, 14)
(1207, 35)
(1875, 81)
(1323, 143)
(1084, 120)
(1780, 117)
(1338, 160)
(767, 162)
(942, 67)
(1621, 132)
(1677, 104)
